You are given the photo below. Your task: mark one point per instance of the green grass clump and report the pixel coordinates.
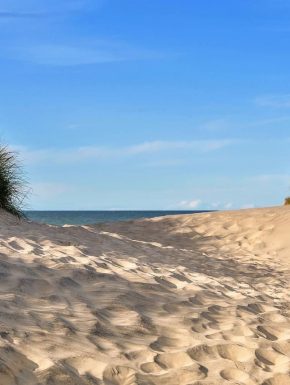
(287, 201)
(12, 185)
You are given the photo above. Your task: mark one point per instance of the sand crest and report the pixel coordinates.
(190, 300)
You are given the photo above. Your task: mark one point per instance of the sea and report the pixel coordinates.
(61, 218)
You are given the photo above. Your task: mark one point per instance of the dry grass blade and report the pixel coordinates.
(287, 201)
(12, 184)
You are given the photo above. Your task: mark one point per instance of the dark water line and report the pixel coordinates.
(90, 217)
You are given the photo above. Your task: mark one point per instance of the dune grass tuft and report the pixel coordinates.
(12, 185)
(287, 201)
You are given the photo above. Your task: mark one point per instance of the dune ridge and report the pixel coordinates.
(197, 299)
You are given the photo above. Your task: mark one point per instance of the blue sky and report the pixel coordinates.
(164, 104)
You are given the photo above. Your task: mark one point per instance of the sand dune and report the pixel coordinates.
(190, 300)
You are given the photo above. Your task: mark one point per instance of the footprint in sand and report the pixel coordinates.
(173, 360)
(120, 316)
(164, 343)
(274, 332)
(233, 352)
(202, 353)
(271, 357)
(282, 347)
(167, 361)
(235, 375)
(119, 375)
(206, 298)
(185, 376)
(165, 282)
(150, 367)
(279, 379)
(34, 286)
(182, 308)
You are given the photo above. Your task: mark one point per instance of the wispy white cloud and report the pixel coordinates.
(201, 204)
(8, 15)
(22, 7)
(216, 125)
(94, 152)
(265, 122)
(78, 53)
(275, 101)
(272, 178)
(26, 26)
(167, 162)
(248, 206)
(220, 205)
(191, 204)
(156, 146)
(23, 43)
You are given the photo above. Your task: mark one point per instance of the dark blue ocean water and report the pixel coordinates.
(91, 217)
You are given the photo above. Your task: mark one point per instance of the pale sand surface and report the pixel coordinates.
(192, 300)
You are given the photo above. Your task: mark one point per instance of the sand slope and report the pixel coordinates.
(190, 300)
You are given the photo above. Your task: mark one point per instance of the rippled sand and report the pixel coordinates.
(190, 300)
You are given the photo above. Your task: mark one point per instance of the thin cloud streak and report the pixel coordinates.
(191, 205)
(76, 54)
(275, 101)
(41, 9)
(272, 178)
(20, 15)
(46, 7)
(91, 152)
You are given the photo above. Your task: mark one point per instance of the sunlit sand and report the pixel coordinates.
(193, 300)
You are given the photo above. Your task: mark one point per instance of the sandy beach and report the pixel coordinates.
(198, 299)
